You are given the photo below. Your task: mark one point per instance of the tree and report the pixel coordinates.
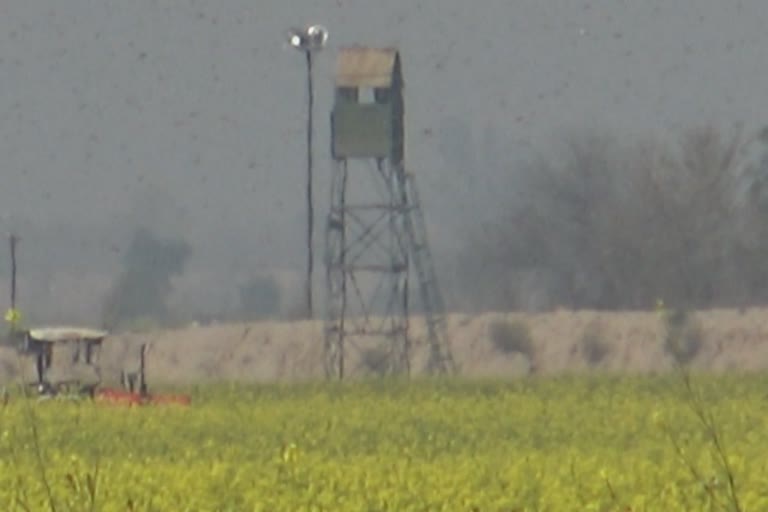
(260, 297)
(607, 225)
(141, 290)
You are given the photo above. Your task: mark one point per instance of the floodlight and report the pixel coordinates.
(311, 38)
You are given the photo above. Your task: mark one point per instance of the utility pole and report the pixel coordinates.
(14, 240)
(12, 316)
(310, 179)
(309, 40)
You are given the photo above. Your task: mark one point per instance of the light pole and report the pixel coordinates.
(309, 40)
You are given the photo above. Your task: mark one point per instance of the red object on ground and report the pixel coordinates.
(118, 396)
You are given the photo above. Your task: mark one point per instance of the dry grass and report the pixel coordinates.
(275, 351)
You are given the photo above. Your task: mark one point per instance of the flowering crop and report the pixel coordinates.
(577, 443)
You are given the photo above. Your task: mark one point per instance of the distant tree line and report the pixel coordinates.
(138, 298)
(140, 292)
(602, 224)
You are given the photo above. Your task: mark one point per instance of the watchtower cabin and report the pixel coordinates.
(367, 117)
(65, 356)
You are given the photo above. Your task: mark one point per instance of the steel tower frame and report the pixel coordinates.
(375, 231)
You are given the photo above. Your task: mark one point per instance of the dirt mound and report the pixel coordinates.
(562, 341)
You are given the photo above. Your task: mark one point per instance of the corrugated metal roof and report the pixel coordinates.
(55, 334)
(358, 66)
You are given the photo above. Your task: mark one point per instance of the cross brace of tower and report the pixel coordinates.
(375, 230)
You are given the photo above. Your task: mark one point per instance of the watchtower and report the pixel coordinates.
(374, 229)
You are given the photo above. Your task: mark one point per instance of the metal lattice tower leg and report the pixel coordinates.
(367, 265)
(336, 278)
(440, 357)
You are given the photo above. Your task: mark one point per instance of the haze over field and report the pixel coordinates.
(188, 117)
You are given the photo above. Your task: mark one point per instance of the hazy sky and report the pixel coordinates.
(189, 114)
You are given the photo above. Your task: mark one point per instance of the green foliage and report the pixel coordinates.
(581, 443)
(376, 360)
(593, 345)
(684, 336)
(511, 337)
(141, 290)
(260, 298)
(602, 223)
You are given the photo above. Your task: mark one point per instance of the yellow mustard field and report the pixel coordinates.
(579, 443)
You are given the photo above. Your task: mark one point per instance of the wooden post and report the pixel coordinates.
(14, 241)
(142, 375)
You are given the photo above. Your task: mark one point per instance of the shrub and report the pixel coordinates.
(593, 345)
(376, 360)
(684, 336)
(511, 337)
(260, 298)
(149, 265)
